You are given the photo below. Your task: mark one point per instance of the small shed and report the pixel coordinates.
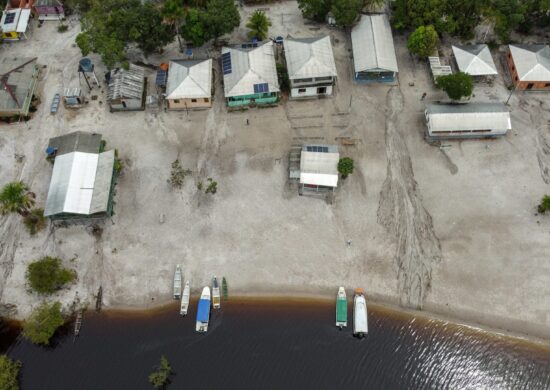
(472, 120)
(530, 66)
(189, 84)
(250, 74)
(476, 60)
(18, 80)
(78, 141)
(127, 89)
(374, 57)
(49, 10)
(14, 23)
(73, 98)
(319, 168)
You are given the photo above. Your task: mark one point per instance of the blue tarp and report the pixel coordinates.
(204, 310)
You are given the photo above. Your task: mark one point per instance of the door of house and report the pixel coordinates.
(321, 90)
(530, 85)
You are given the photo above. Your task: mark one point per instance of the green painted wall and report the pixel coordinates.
(245, 100)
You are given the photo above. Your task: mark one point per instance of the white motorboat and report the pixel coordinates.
(360, 320)
(185, 299)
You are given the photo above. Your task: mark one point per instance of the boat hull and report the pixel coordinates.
(360, 321)
(177, 283)
(341, 309)
(185, 299)
(216, 299)
(203, 311)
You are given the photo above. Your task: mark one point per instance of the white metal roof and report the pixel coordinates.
(80, 183)
(532, 62)
(189, 79)
(475, 60)
(472, 116)
(20, 21)
(250, 66)
(319, 168)
(372, 44)
(309, 57)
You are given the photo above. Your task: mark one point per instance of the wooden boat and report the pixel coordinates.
(341, 308)
(203, 311)
(360, 321)
(216, 301)
(77, 324)
(177, 282)
(224, 289)
(185, 299)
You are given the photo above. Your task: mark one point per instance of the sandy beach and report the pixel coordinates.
(452, 230)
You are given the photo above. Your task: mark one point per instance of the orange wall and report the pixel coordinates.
(523, 85)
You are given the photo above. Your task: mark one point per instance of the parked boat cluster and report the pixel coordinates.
(360, 316)
(206, 300)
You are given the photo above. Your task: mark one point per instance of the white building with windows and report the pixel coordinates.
(311, 67)
(319, 168)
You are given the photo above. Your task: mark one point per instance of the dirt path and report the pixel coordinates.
(401, 212)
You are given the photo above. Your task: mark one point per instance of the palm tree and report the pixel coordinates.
(16, 198)
(173, 13)
(259, 24)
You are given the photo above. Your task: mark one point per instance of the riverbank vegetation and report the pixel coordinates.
(544, 205)
(42, 323)
(16, 197)
(47, 275)
(9, 373)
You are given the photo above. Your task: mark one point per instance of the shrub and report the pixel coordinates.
(284, 81)
(9, 371)
(212, 186)
(161, 376)
(423, 41)
(62, 28)
(43, 322)
(118, 163)
(35, 221)
(544, 205)
(345, 166)
(47, 275)
(177, 175)
(15, 197)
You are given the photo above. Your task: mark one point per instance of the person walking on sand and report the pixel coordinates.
(423, 96)
(247, 122)
(348, 242)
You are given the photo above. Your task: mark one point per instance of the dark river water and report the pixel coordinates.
(278, 344)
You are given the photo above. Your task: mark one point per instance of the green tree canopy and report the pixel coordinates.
(544, 205)
(194, 29)
(314, 9)
(9, 371)
(345, 11)
(423, 41)
(259, 24)
(111, 25)
(16, 198)
(345, 166)
(173, 13)
(43, 322)
(456, 85)
(161, 376)
(47, 275)
(221, 17)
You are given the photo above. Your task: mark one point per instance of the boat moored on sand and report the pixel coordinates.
(216, 299)
(360, 321)
(341, 308)
(203, 311)
(185, 299)
(177, 282)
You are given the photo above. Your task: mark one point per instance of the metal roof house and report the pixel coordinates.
(319, 168)
(476, 60)
(250, 74)
(189, 84)
(529, 66)
(472, 120)
(18, 80)
(14, 23)
(126, 90)
(311, 66)
(374, 57)
(83, 178)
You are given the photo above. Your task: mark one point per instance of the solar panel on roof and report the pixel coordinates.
(261, 88)
(226, 63)
(10, 17)
(249, 45)
(161, 77)
(317, 149)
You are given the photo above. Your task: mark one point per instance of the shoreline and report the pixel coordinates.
(493, 325)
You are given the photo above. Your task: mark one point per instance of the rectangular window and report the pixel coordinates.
(321, 90)
(546, 85)
(530, 85)
(193, 100)
(323, 78)
(176, 101)
(206, 100)
(303, 80)
(302, 90)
